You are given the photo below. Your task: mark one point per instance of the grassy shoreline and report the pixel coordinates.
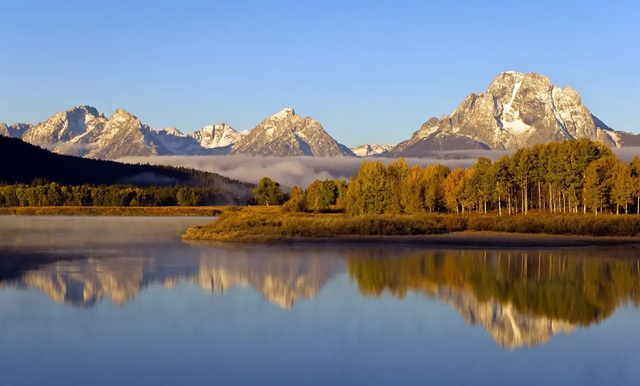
(112, 211)
(272, 225)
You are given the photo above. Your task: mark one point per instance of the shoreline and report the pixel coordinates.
(120, 211)
(466, 239)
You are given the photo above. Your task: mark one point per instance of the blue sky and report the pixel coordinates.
(369, 71)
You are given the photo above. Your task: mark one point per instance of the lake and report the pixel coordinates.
(124, 301)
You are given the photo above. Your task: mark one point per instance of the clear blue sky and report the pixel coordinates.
(369, 71)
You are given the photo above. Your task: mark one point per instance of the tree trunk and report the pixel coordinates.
(617, 209)
(499, 206)
(509, 199)
(539, 195)
(526, 198)
(485, 207)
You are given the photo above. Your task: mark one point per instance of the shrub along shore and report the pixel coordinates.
(272, 224)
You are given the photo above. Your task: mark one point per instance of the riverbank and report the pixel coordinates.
(272, 225)
(112, 211)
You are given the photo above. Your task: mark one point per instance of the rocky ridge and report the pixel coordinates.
(15, 130)
(516, 110)
(285, 133)
(84, 131)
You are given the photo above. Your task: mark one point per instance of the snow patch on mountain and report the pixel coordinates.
(370, 149)
(216, 136)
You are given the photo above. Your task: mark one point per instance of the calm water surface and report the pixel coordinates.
(123, 301)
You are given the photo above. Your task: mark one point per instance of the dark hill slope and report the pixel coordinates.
(21, 162)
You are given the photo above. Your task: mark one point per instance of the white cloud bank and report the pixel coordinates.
(302, 171)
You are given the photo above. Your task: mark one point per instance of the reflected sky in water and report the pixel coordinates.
(106, 301)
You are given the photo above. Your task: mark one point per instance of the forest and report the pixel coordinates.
(579, 176)
(42, 193)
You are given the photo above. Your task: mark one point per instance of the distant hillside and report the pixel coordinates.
(21, 162)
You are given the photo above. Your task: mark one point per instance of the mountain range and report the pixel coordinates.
(516, 110)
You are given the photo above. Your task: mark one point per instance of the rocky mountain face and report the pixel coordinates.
(369, 150)
(84, 131)
(218, 135)
(517, 110)
(15, 130)
(287, 134)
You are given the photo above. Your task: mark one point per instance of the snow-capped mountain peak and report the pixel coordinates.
(285, 133)
(285, 113)
(171, 131)
(370, 149)
(517, 110)
(215, 136)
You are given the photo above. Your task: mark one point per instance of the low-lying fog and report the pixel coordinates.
(302, 171)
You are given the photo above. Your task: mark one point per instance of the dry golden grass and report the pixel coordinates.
(112, 211)
(261, 224)
(271, 224)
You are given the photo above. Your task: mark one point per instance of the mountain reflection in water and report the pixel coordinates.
(522, 298)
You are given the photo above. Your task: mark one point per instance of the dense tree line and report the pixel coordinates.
(558, 284)
(43, 193)
(577, 176)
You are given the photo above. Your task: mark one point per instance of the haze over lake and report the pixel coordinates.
(119, 301)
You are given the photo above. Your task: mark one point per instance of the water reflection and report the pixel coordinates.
(282, 276)
(522, 298)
